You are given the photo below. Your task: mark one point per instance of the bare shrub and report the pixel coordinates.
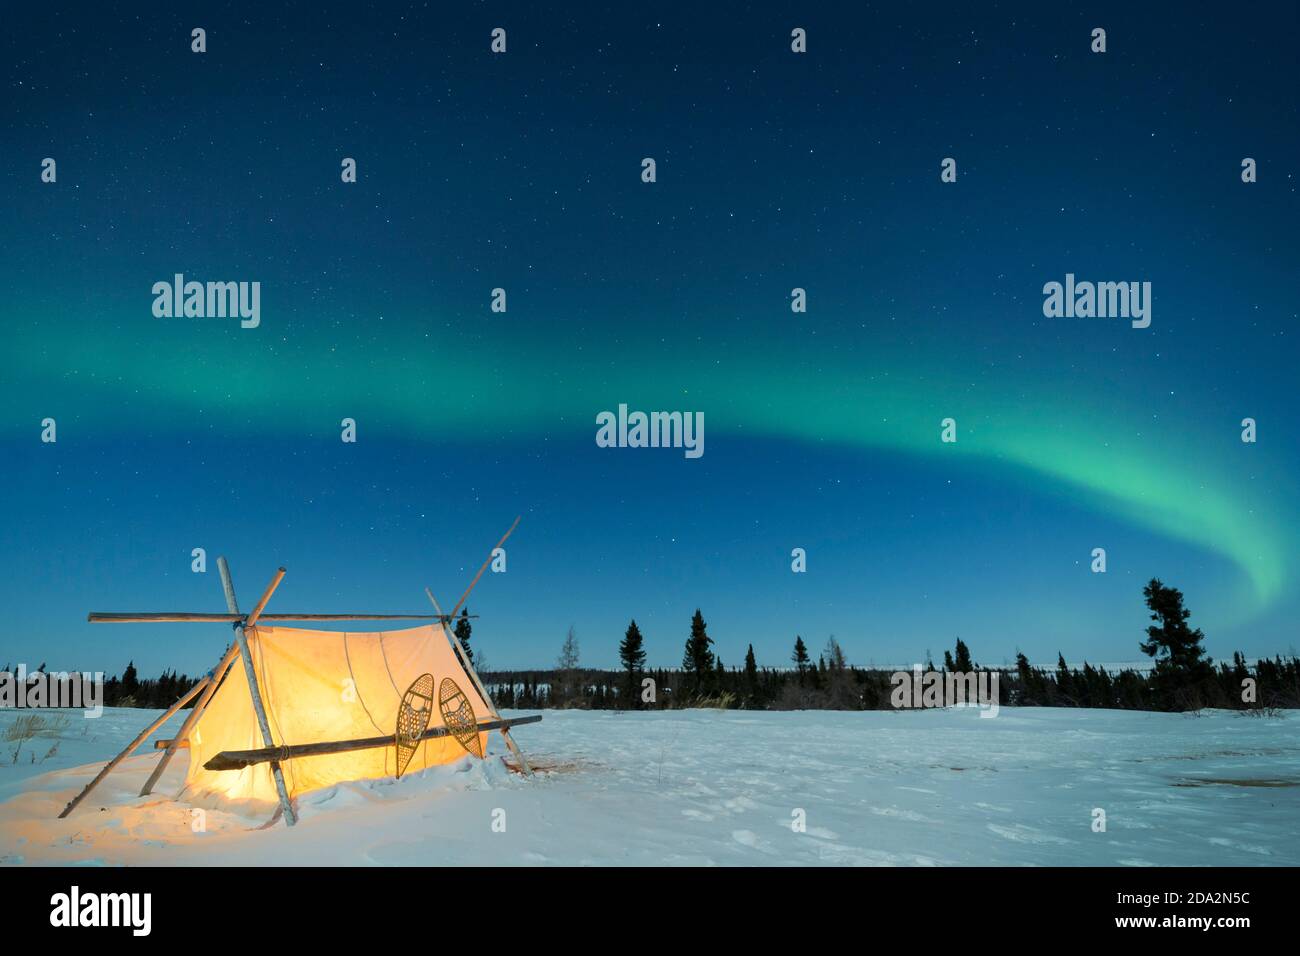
(29, 726)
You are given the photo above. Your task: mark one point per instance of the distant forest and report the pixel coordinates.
(1182, 677)
(830, 686)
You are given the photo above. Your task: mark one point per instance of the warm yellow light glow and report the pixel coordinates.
(322, 686)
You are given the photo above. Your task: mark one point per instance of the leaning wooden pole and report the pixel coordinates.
(250, 672)
(218, 673)
(465, 597)
(460, 648)
(466, 663)
(130, 749)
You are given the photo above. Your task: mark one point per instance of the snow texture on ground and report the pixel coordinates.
(704, 787)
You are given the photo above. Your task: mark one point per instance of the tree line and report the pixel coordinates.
(129, 690)
(1182, 678)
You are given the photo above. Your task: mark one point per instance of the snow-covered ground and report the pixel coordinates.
(721, 787)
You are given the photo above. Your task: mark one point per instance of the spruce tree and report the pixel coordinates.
(751, 676)
(1064, 685)
(463, 631)
(800, 657)
(631, 652)
(1239, 674)
(1025, 674)
(961, 661)
(1176, 645)
(1180, 659)
(1022, 668)
(698, 659)
(130, 680)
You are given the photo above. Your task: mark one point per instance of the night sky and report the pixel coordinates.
(775, 170)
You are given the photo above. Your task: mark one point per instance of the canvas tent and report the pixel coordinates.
(320, 686)
(315, 708)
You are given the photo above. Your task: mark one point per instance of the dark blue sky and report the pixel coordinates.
(775, 170)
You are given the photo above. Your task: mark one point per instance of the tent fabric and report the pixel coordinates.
(321, 686)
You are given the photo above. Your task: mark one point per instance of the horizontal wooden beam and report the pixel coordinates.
(239, 759)
(155, 617)
(140, 617)
(164, 744)
(352, 617)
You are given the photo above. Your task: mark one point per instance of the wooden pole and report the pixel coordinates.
(465, 596)
(473, 675)
(191, 719)
(150, 617)
(143, 736)
(350, 617)
(239, 759)
(155, 617)
(250, 672)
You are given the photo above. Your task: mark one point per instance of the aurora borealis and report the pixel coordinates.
(775, 171)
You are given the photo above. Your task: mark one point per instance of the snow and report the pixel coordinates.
(704, 787)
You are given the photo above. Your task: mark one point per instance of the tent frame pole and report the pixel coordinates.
(464, 597)
(218, 674)
(478, 684)
(464, 656)
(130, 748)
(241, 640)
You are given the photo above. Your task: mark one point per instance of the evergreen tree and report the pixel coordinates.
(463, 631)
(1105, 696)
(1238, 676)
(631, 652)
(751, 676)
(1022, 669)
(1064, 686)
(130, 680)
(1029, 689)
(698, 659)
(1176, 645)
(961, 661)
(1088, 687)
(800, 657)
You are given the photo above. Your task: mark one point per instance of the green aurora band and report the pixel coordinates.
(435, 385)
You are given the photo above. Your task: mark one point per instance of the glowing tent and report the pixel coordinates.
(320, 686)
(316, 708)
